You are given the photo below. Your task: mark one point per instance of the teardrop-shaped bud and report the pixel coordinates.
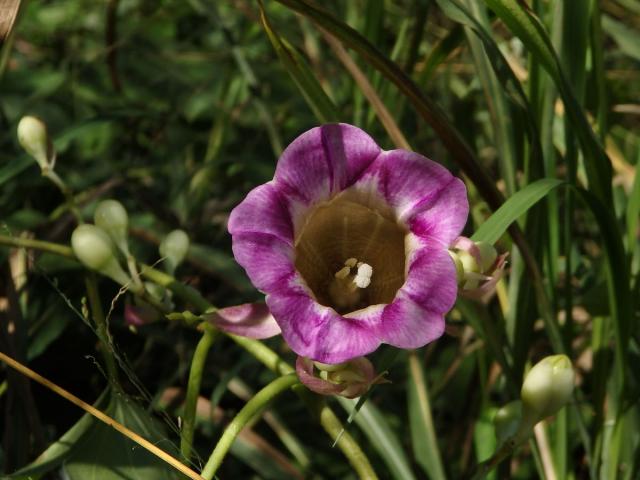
(547, 388)
(95, 250)
(174, 249)
(112, 217)
(33, 137)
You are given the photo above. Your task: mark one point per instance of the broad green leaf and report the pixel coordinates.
(60, 450)
(495, 226)
(423, 436)
(105, 454)
(382, 438)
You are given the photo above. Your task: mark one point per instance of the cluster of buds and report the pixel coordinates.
(546, 389)
(96, 245)
(478, 268)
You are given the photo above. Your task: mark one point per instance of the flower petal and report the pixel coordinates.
(318, 332)
(422, 193)
(263, 211)
(323, 161)
(267, 260)
(416, 316)
(252, 320)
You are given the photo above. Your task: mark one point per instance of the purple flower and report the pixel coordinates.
(349, 244)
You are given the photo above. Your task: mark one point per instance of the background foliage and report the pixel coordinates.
(178, 109)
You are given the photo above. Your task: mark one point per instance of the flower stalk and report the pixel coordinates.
(253, 408)
(257, 349)
(193, 390)
(102, 329)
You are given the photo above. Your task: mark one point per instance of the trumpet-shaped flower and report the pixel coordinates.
(350, 244)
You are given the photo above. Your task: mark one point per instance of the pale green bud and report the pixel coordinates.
(488, 255)
(33, 137)
(459, 267)
(112, 217)
(469, 263)
(174, 249)
(507, 420)
(94, 249)
(547, 388)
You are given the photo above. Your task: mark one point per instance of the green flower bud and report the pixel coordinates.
(547, 388)
(94, 249)
(174, 249)
(33, 137)
(507, 420)
(469, 263)
(488, 255)
(459, 267)
(112, 217)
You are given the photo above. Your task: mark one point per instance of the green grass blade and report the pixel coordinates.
(528, 28)
(501, 118)
(439, 53)
(321, 105)
(423, 436)
(495, 226)
(633, 213)
(382, 438)
(627, 39)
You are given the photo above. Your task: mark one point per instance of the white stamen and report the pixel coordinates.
(351, 262)
(363, 277)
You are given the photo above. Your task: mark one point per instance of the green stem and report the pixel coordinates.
(260, 351)
(135, 275)
(193, 390)
(347, 444)
(254, 407)
(101, 327)
(41, 245)
(188, 294)
(66, 191)
(264, 354)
